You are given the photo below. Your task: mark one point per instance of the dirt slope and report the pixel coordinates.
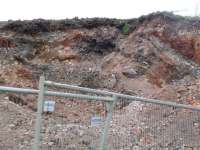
(155, 56)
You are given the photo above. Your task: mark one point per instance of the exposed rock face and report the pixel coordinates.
(129, 72)
(5, 43)
(197, 50)
(160, 47)
(157, 57)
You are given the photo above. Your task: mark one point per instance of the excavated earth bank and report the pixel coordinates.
(154, 56)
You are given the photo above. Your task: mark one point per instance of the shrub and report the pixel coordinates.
(125, 28)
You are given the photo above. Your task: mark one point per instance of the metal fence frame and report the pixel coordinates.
(109, 98)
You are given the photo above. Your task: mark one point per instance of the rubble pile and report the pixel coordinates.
(154, 56)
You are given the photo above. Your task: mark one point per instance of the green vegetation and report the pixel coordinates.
(125, 28)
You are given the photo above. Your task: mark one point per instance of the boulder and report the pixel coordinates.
(129, 72)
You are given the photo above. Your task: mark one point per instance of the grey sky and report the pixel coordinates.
(60, 9)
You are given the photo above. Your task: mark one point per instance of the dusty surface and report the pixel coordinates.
(157, 56)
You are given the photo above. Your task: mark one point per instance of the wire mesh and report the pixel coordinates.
(138, 126)
(69, 126)
(141, 126)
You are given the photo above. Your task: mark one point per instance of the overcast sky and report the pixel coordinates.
(60, 9)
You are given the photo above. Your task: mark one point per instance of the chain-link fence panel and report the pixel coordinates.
(74, 125)
(142, 126)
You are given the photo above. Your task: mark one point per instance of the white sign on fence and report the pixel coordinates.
(49, 106)
(96, 121)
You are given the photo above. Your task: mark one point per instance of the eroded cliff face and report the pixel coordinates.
(158, 51)
(154, 56)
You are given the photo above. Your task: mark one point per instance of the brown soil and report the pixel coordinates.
(157, 58)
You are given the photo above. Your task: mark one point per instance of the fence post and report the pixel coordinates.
(104, 136)
(38, 126)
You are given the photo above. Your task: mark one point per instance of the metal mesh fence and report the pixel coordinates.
(143, 126)
(70, 127)
(138, 126)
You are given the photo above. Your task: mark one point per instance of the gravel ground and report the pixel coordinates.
(137, 127)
